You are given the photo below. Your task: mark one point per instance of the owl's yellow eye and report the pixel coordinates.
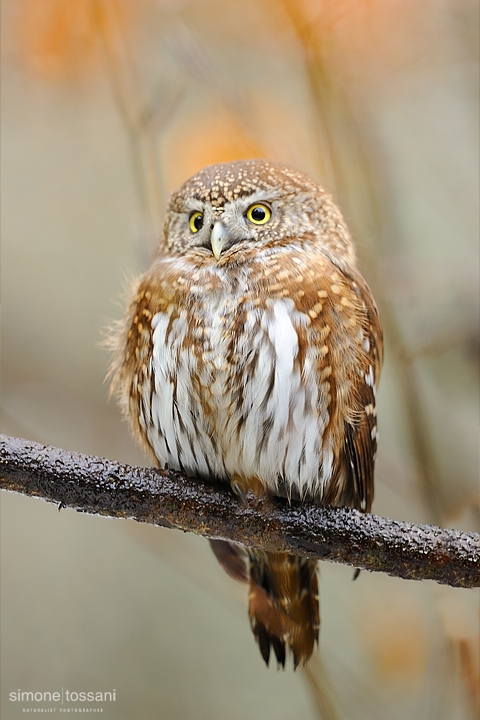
(196, 221)
(259, 214)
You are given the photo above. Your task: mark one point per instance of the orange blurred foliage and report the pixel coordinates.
(214, 137)
(58, 39)
(366, 39)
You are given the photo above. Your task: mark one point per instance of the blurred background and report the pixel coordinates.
(107, 106)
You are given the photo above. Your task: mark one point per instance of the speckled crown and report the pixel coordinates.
(225, 182)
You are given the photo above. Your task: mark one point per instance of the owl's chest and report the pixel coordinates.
(218, 348)
(228, 391)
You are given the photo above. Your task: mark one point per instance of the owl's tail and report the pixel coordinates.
(283, 598)
(283, 605)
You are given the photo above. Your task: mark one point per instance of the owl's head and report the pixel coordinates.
(228, 206)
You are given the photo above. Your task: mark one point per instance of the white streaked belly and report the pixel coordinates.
(253, 413)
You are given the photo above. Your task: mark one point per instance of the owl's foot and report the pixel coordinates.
(242, 486)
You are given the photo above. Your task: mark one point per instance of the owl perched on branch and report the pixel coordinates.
(251, 354)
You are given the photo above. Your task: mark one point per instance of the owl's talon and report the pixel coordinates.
(242, 487)
(238, 490)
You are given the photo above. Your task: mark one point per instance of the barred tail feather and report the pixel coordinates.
(283, 605)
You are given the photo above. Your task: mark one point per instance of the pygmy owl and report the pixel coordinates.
(250, 354)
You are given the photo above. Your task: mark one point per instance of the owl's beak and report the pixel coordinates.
(218, 238)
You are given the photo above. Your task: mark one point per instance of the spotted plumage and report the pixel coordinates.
(251, 354)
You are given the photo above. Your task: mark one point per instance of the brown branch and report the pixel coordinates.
(103, 487)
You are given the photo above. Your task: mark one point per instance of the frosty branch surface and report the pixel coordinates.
(102, 487)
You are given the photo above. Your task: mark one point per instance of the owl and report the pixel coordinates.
(250, 355)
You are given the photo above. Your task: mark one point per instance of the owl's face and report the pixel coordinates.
(251, 202)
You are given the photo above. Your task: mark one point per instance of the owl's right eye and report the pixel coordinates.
(196, 221)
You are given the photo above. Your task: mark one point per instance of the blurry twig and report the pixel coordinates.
(441, 342)
(103, 487)
(417, 417)
(325, 697)
(143, 120)
(197, 63)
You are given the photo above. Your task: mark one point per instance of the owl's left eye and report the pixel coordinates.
(259, 214)
(196, 221)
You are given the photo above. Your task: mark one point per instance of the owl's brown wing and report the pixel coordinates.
(361, 434)
(346, 325)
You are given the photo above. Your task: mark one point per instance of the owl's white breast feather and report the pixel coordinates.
(198, 426)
